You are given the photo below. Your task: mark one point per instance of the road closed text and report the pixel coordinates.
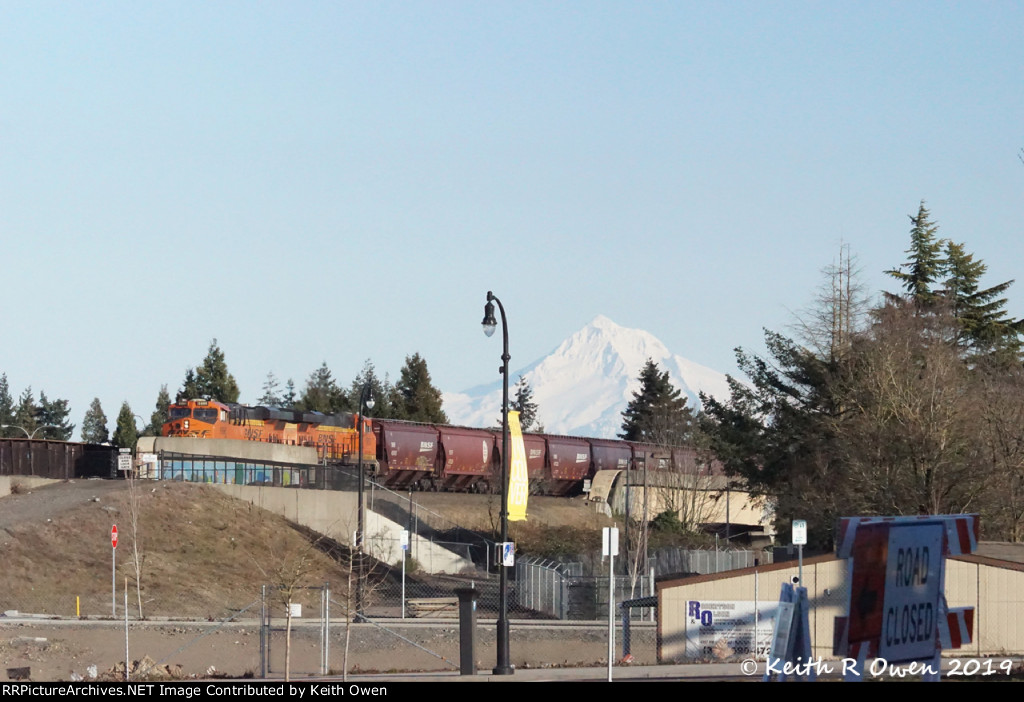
(912, 589)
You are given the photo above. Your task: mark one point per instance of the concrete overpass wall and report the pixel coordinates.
(335, 515)
(254, 451)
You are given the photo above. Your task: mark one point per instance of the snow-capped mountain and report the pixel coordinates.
(582, 387)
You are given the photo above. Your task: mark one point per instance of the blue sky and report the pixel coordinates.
(340, 181)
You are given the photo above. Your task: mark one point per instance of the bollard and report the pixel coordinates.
(467, 629)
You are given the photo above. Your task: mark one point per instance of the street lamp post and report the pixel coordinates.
(489, 324)
(365, 402)
(33, 434)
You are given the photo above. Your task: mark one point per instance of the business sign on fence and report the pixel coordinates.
(720, 630)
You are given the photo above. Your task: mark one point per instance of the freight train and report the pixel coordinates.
(411, 455)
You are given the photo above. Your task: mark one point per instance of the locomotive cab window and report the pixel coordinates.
(180, 412)
(206, 415)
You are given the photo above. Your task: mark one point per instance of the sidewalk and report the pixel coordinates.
(701, 671)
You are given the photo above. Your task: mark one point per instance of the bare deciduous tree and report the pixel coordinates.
(840, 305)
(910, 436)
(1002, 435)
(288, 570)
(135, 533)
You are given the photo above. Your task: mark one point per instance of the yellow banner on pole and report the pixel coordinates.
(518, 480)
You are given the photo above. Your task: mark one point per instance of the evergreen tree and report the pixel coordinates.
(925, 267)
(53, 414)
(213, 381)
(387, 394)
(94, 425)
(288, 399)
(417, 399)
(270, 396)
(941, 274)
(524, 404)
(26, 412)
(322, 393)
(980, 314)
(379, 391)
(6, 409)
(657, 413)
(189, 389)
(161, 413)
(126, 433)
(775, 432)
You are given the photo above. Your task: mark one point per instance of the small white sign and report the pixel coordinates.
(403, 539)
(508, 553)
(124, 461)
(610, 541)
(799, 532)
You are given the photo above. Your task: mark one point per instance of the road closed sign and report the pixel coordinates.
(910, 605)
(896, 609)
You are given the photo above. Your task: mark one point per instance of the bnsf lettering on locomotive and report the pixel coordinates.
(325, 440)
(253, 434)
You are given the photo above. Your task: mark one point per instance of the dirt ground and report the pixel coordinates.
(54, 542)
(55, 651)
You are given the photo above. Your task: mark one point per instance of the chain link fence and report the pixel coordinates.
(538, 589)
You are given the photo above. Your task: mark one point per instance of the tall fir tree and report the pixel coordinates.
(980, 314)
(942, 278)
(379, 391)
(288, 398)
(658, 412)
(94, 425)
(322, 393)
(53, 416)
(416, 398)
(161, 413)
(6, 409)
(213, 381)
(26, 412)
(126, 433)
(271, 396)
(523, 404)
(925, 266)
(189, 388)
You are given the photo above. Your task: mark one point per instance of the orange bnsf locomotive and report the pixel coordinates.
(335, 436)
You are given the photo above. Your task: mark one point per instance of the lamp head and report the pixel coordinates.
(489, 323)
